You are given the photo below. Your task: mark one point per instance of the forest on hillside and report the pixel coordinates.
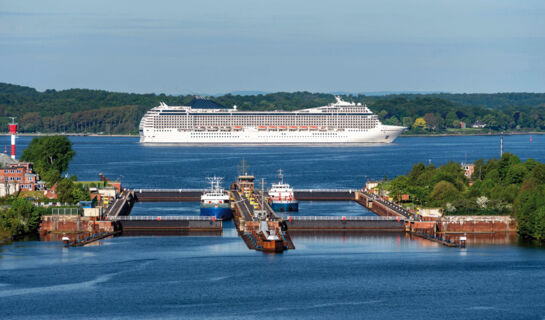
(99, 111)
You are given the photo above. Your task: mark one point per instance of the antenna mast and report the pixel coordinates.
(243, 168)
(501, 146)
(280, 177)
(262, 195)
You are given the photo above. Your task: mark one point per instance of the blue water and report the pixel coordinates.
(141, 166)
(354, 276)
(306, 208)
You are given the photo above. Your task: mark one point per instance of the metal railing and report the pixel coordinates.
(161, 218)
(167, 190)
(136, 190)
(327, 190)
(341, 218)
(395, 207)
(63, 211)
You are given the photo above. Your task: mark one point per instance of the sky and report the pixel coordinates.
(212, 46)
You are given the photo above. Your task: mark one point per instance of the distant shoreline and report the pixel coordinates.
(507, 133)
(514, 133)
(73, 135)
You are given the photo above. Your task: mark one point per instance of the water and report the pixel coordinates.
(306, 208)
(304, 167)
(361, 275)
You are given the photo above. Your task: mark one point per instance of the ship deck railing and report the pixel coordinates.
(169, 190)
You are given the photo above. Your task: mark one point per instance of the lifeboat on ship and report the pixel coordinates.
(225, 129)
(303, 128)
(313, 128)
(273, 128)
(292, 128)
(283, 128)
(261, 128)
(323, 129)
(237, 128)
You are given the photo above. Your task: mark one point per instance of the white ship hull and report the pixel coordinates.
(380, 134)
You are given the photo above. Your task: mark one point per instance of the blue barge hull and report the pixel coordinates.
(285, 207)
(219, 213)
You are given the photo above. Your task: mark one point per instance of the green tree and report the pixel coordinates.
(516, 174)
(538, 173)
(51, 156)
(80, 193)
(507, 160)
(22, 217)
(70, 192)
(443, 192)
(64, 191)
(452, 119)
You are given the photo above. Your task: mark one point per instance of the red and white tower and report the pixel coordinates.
(13, 132)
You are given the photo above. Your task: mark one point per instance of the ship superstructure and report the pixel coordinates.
(281, 196)
(205, 121)
(215, 202)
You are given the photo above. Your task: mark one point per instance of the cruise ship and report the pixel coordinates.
(207, 122)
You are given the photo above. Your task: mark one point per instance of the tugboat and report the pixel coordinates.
(281, 196)
(215, 202)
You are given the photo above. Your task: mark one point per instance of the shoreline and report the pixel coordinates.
(5, 240)
(507, 133)
(72, 135)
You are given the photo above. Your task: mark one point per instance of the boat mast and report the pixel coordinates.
(262, 195)
(243, 168)
(215, 183)
(280, 177)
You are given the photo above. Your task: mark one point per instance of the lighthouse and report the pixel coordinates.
(13, 132)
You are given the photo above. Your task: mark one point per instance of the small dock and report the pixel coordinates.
(82, 241)
(459, 243)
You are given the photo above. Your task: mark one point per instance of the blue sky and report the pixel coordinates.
(210, 46)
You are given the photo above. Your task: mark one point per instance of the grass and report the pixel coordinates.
(467, 130)
(97, 184)
(34, 194)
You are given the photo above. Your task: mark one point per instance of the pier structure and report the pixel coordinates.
(345, 223)
(120, 209)
(258, 224)
(121, 206)
(168, 195)
(179, 225)
(255, 220)
(389, 216)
